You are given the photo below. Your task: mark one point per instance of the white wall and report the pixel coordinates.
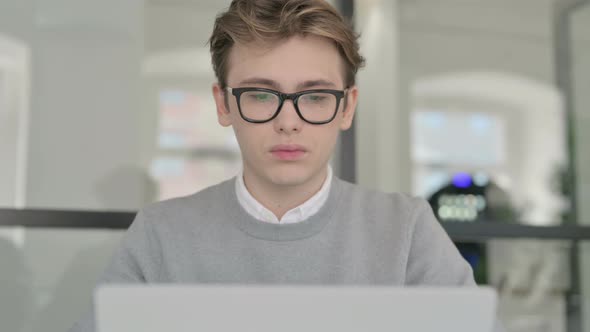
(382, 127)
(14, 116)
(84, 108)
(581, 105)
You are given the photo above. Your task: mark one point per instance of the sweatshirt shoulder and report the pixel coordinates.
(199, 203)
(397, 203)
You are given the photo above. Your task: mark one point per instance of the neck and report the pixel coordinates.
(281, 198)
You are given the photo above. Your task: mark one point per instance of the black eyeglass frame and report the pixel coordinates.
(237, 92)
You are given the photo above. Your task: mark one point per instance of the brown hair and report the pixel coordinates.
(269, 21)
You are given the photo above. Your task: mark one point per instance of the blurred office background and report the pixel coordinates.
(480, 106)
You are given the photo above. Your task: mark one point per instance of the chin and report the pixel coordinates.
(289, 180)
(289, 177)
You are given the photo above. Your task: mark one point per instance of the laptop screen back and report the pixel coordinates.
(183, 308)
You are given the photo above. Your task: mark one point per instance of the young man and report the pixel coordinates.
(286, 85)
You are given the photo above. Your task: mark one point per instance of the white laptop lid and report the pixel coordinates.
(182, 308)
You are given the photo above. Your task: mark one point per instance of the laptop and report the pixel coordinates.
(222, 308)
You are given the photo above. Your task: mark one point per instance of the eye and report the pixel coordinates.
(260, 97)
(315, 97)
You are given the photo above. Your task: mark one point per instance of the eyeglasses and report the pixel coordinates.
(259, 105)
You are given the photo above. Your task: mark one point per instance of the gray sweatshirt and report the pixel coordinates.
(359, 237)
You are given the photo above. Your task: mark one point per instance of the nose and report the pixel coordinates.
(288, 121)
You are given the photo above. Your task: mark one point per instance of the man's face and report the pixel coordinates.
(292, 65)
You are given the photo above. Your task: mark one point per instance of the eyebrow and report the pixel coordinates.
(315, 83)
(275, 85)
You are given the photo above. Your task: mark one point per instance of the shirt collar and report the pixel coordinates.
(297, 214)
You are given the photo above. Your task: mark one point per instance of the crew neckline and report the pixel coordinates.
(281, 232)
(301, 212)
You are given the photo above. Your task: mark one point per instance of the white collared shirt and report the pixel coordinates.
(297, 214)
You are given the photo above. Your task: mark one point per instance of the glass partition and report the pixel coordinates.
(473, 106)
(108, 106)
(48, 275)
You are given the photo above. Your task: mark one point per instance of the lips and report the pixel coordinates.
(288, 151)
(288, 147)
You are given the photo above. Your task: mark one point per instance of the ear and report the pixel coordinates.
(349, 107)
(223, 115)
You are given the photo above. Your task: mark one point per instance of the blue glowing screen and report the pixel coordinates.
(462, 180)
